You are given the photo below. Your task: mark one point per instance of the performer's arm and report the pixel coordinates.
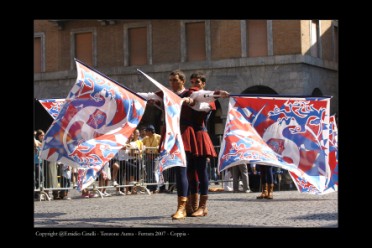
(150, 96)
(208, 95)
(201, 106)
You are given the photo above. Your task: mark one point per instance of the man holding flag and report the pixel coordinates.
(177, 80)
(174, 152)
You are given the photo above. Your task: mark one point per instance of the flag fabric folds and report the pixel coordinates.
(96, 120)
(52, 106)
(172, 152)
(288, 132)
(331, 185)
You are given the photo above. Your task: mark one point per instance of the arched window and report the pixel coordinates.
(317, 92)
(259, 89)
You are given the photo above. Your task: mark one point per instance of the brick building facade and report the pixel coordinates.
(296, 57)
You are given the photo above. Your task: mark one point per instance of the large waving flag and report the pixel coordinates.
(52, 106)
(172, 152)
(294, 133)
(331, 185)
(94, 123)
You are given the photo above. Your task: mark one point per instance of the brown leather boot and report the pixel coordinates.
(202, 210)
(195, 201)
(189, 209)
(270, 192)
(264, 192)
(192, 204)
(181, 208)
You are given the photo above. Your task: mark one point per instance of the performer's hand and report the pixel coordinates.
(153, 101)
(188, 101)
(224, 94)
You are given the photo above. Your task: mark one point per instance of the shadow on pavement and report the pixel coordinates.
(319, 216)
(115, 219)
(266, 200)
(47, 215)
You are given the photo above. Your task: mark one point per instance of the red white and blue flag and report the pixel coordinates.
(95, 122)
(52, 106)
(287, 132)
(172, 152)
(333, 154)
(331, 185)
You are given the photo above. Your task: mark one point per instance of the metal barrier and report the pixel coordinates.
(129, 175)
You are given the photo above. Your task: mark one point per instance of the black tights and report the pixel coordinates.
(181, 177)
(266, 174)
(198, 165)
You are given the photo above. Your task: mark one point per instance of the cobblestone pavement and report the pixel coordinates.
(226, 209)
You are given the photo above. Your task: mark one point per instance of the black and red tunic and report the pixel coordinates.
(186, 126)
(204, 142)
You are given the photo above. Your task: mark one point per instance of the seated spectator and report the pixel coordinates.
(142, 133)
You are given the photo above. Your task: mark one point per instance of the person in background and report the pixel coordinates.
(51, 179)
(241, 169)
(74, 176)
(151, 144)
(266, 174)
(65, 181)
(119, 169)
(133, 165)
(104, 179)
(46, 170)
(227, 177)
(142, 133)
(38, 170)
(212, 171)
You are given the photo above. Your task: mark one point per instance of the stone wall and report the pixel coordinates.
(288, 74)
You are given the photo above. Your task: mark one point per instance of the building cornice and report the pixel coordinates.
(201, 65)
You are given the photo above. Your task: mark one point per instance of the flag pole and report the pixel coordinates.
(267, 95)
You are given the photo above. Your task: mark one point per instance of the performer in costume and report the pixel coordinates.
(177, 80)
(266, 176)
(198, 164)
